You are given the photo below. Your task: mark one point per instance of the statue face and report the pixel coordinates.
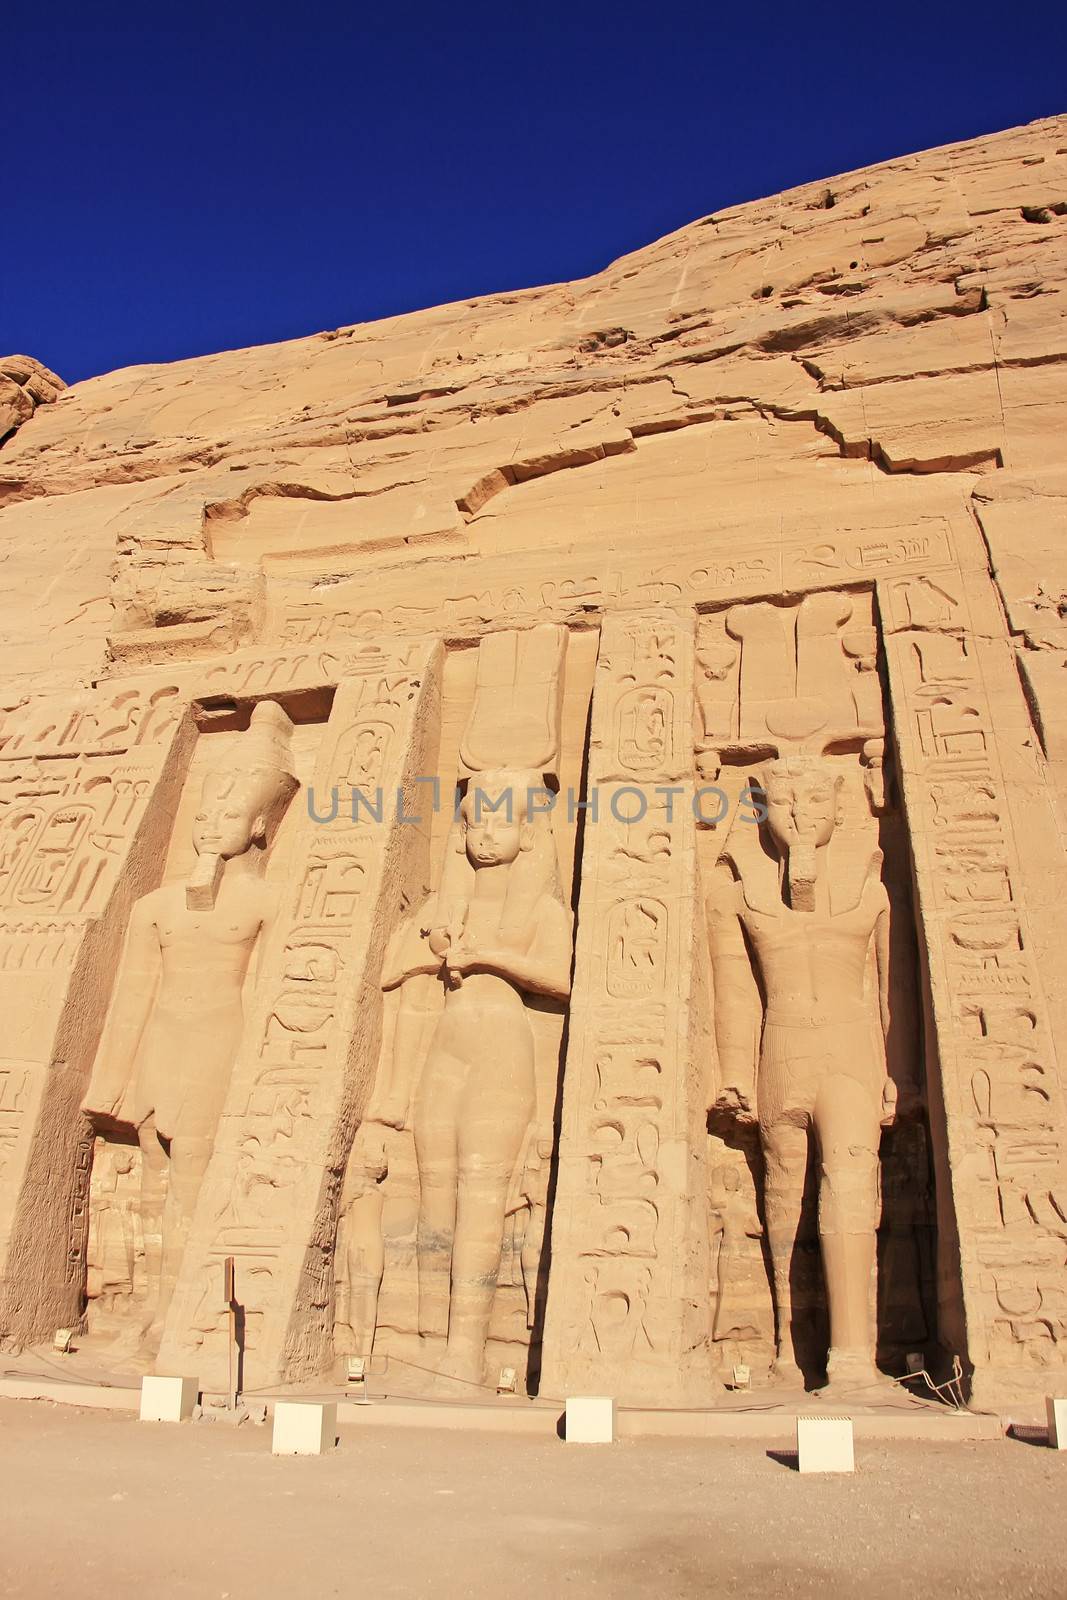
(493, 841)
(802, 808)
(227, 821)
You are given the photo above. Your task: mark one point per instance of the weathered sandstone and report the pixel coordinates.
(625, 1092)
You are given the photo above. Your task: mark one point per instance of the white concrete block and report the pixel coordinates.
(824, 1444)
(304, 1427)
(590, 1419)
(168, 1399)
(1057, 1422)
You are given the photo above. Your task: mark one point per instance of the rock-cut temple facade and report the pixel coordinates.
(532, 833)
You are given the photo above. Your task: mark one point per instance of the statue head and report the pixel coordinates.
(495, 817)
(803, 801)
(244, 796)
(510, 836)
(803, 809)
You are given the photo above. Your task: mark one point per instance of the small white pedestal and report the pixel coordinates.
(824, 1444)
(1057, 1422)
(168, 1399)
(304, 1427)
(590, 1419)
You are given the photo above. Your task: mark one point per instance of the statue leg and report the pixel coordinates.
(365, 1251)
(533, 1241)
(491, 1141)
(154, 1164)
(785, 1157)
(189, 1158)
(435, 1129)
(847, 1124)
(721, 1329)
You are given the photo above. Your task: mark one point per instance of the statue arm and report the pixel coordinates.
(731, 970)
(390, 1102)
(408, 954)
(135, 992)
(544, 969)
(881, 952)
(271, 908)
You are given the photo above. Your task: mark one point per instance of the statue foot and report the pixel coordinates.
(463, 1367)
(151, 1339)
(785, 1374)
(852, 1372)
(446, 1385)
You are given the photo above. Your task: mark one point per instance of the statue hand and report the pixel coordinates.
(732, 1101)
(389, 1113)
(464, 958)
(103, 1102)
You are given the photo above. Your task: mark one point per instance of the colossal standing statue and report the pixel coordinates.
(164, 1062)
(496, 933)
(479, 972)
(819, 947)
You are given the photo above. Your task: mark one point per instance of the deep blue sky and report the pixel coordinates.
(230, 175)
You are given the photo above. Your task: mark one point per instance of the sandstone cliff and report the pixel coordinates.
(873, 349)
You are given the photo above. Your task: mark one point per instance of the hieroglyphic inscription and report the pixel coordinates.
(618, 1288)
(13, 1080)
(1005, 1112)
(594, 590)
(76, 785)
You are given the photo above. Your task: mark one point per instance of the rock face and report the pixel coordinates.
(24, 385)
(707, 617)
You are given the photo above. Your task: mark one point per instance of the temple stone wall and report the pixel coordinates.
(534, 829)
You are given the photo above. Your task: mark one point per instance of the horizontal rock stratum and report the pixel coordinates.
(736, 570)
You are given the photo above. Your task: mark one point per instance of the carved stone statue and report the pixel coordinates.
(111, 1251)
(364, 1248)
(533, 1193)
(176, 1020)
(733, 1221)
(822, 1068)
(495, 933)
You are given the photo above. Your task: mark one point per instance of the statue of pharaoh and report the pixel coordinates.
(164, 1061)
(822, 1064)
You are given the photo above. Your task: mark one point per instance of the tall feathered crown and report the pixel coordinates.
(262, 757)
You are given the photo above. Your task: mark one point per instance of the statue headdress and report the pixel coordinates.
(258, 766)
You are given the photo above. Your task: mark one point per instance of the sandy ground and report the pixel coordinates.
(96, 1503)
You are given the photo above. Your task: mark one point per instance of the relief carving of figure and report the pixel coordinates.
(175, 1025)
(813, 947)
(496, 933)
(111, 1249)
(733, 1221)
(363, 1265)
